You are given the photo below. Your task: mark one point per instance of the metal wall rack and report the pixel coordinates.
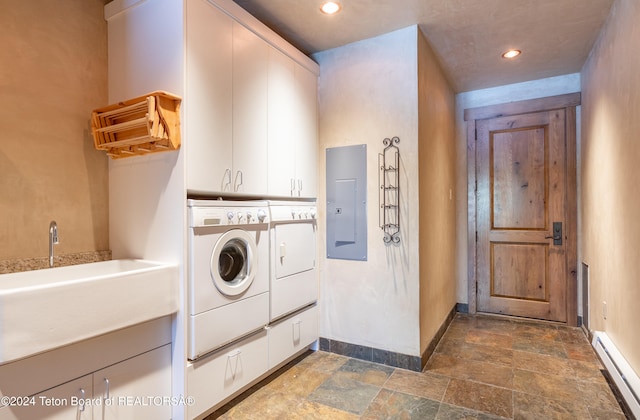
(389, 181)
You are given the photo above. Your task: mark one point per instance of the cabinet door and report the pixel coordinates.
(292, 335)
(208, 100)
(306, 131)
(63, 402)
(282, 116)
(136, 388)
(250, 61)
(293, 128)
(213, 378)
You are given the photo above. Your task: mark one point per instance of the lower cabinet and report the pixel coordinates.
(138, 388)
(292, 335)
(132, 389)
(211, 379)
(60, 403)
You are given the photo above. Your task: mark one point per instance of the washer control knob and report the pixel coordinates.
(230, 215)
(312, 212)
(240, 216)
(249, 216)
(293, 213)
(262, 215)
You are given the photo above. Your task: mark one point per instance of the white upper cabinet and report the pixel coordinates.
(227, 103)
(249, 98)
(250, 60)
(306, 139)
(282, 108)
(209, 98)
(292, 128)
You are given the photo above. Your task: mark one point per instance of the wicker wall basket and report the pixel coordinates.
(138, 126)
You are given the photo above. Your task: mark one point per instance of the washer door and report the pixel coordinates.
(233, 265)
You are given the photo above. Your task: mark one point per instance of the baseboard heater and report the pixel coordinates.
(623, 375)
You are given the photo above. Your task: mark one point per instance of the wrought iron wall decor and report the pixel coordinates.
(389, 181)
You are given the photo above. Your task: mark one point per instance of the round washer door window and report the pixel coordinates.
(233, 265)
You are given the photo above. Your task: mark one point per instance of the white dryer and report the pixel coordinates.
(228, 272)
(294, 277)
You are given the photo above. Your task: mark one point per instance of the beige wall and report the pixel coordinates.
(367, 92)
(383, 87)
(53, 72)
(437, 165)
(611, 178)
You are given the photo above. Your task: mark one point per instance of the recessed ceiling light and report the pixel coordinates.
(330, 8)
(511, 54)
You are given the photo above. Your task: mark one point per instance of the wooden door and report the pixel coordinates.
(522, 189)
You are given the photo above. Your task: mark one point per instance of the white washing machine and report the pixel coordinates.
(294, 278)
(228, 272)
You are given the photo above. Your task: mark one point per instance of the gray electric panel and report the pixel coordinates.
(347, 202)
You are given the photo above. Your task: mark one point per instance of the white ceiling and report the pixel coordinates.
(468, 35)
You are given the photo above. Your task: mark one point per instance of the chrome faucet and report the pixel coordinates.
(53, 240)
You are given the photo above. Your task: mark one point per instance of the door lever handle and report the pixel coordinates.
(557, 233)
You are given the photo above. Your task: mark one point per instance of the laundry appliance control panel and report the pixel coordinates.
(283, 212)
(202, 215)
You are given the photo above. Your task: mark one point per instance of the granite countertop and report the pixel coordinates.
(28, 264)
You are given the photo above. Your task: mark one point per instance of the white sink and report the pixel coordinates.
(44, 309)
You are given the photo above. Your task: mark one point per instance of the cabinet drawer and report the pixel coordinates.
(213, 378)
(292, 335)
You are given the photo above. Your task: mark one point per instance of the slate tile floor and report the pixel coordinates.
(484, 367)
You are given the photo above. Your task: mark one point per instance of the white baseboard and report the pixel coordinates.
(623, 375)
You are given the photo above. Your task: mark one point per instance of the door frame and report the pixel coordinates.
(568, 102)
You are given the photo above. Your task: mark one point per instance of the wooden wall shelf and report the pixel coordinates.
(138, 126)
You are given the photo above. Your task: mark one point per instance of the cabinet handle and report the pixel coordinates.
(299, 187)
(81, 407)
(106, 388)
(234, 369)
(295, 324)
(227, 174)
(293, 186)
(238, 184)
